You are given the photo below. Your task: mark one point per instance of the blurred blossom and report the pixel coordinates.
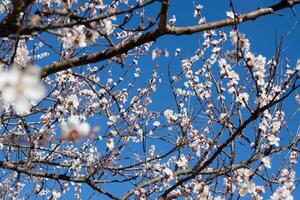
(21, 86)
(74, 129)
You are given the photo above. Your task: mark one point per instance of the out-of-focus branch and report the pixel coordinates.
(11, 23)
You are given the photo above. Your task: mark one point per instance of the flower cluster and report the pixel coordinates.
(170, 115)
(287, 185)
(227, 72)
(270, 126)
(78, 36)
(241, 182)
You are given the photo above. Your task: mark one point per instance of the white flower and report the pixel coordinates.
(110, 144)
(56, 195)
(20, 87)
(172, 20)
(137, 72)
(282, 193)
(156, 123)
(230, 14)
(155, 53)
(223, 116)
(108, 27)
(298, 64)
(247, 187)
(73, 100)
(182, 162)
(169, 115)
(112, 120)
(197, 12)
(177, 51)
(266, 161)
(273, 140)
(169, 172)
(4, 5)
(78, 36)
(22, 53)
(242, 98)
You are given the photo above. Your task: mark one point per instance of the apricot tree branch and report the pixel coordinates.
(155, 34)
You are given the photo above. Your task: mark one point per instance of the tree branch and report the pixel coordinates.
(155, 34)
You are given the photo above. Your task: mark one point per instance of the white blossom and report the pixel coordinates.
(156, 123)
(273, 140)
(266, 161)
(242, 99)
(182, 162)
(230, 14)
(110, 144)
(21, 86)
(169, 115)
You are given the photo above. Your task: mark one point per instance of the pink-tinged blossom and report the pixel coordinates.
(21, 87)
(286, 187)
(170, 115)
(293, 157)
(75, 129)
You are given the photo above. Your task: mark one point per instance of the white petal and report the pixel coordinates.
(22, 106)
(9, 94)
(73, 121)
(13, 76)
(35, 92)
(3, 80)
(84, 129)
